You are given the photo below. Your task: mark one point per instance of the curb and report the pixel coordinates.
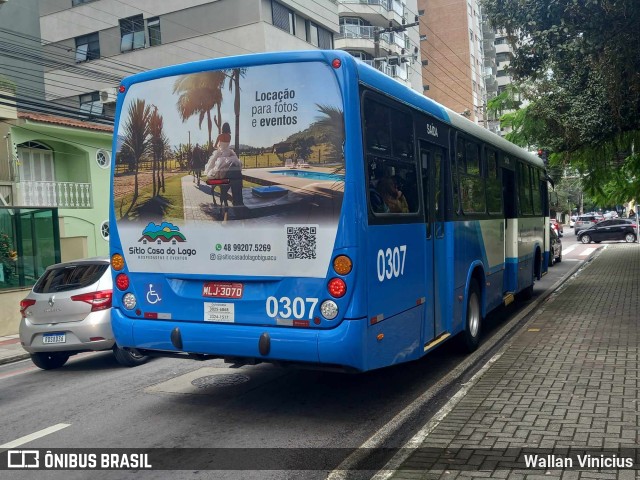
(14, 358)
(450, 383)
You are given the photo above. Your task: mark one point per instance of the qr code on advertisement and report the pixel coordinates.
(301, 242)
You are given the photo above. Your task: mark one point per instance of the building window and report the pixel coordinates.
(325, 39)
(153, 29)
(104, 230)
(312, 33)
(283, 18)
(131, 33)
(471, 35)
(103, 158)
(90, 104)
(87, 47)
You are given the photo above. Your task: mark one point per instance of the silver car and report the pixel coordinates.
(68, 311)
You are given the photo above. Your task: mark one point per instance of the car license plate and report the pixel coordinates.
(54, 338)
(222, 290)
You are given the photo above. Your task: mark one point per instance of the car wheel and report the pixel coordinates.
(629, 238)
(129, 358)
(49, 360)
(552, 258)
(559, 257)
(473, 323)
(585, 239)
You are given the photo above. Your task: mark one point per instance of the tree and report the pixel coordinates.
(199, 94)
(136, 139)
(234, 84)
(582, 61)
(331, 123)
(159, 144)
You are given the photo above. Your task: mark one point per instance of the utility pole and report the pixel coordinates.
(390, 29)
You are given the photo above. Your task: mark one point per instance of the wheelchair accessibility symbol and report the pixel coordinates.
(153, 297)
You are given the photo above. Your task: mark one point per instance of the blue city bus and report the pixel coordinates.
(347, 222)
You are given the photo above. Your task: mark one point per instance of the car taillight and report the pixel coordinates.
(98, 300)
(24, 304)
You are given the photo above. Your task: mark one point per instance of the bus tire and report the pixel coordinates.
(473, 322)
(129, 357)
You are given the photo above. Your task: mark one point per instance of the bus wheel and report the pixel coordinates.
(473, 324)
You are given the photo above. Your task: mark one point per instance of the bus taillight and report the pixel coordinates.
(122, 281)
(129, 302)
(337, 288)
(342, 265)
(117, 262)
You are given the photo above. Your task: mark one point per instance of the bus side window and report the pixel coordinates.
(402, 135)
(377, 128)
(494, 184)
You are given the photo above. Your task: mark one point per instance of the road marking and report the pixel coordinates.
(588, 251)
(570, 249)
(34, 436)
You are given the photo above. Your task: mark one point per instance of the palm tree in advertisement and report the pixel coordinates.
(332, 124)
(234, 84)
(136, 139)
(158, 143)
(199, 93)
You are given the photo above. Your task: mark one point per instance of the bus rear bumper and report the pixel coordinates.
(342, 346)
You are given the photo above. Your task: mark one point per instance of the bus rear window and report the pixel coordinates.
(216, 170)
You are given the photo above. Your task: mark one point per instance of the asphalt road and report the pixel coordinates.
(170, 403)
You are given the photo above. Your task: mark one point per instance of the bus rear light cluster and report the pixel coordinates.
(117, 262)
(122, 281)
(342, 265)
(129, 301)
(329, 309)
(337, 287)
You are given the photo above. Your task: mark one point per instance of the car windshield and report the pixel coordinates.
(69, 277)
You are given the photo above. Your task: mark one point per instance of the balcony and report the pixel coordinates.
(54, 194)
(355, 37)
(373, 11)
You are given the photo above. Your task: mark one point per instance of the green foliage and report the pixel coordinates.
(581, 61)
(8, 256)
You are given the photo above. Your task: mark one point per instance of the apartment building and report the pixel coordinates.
(396, 53)
(114, 38)
(453, 64)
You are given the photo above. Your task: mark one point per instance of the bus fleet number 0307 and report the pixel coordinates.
(390, 262)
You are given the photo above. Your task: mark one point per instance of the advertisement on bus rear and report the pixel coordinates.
(233, 172)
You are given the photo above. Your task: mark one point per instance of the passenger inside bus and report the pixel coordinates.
(392, 197)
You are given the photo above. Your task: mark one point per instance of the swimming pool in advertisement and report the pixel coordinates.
(310, 175)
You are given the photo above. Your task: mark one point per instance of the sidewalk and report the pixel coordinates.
(11, 350)
(569, 378)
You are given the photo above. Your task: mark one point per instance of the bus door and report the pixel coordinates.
(431, 163)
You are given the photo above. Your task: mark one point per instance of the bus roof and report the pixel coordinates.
(366, 74)
(379, 81)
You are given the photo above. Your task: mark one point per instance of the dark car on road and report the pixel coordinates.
(555, 247)
(616, 229)
(586, 221)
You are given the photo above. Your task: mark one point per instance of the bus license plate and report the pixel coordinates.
(54, 338)
(222, 290)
